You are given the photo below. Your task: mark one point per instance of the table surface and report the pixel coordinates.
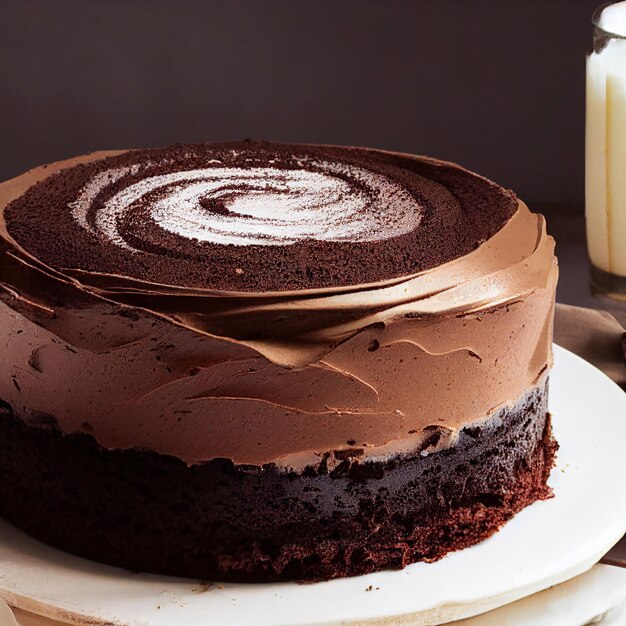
(567, 225)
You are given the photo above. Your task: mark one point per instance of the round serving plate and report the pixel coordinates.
(547, 543)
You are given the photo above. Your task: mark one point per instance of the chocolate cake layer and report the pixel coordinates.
(219, 521)
(256, 216)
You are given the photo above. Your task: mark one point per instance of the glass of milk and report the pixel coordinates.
(605, 170)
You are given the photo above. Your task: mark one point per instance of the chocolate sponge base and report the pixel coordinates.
(219, 521)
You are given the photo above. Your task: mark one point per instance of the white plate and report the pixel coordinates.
(545, 544)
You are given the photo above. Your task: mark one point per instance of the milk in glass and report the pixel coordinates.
(606, 145)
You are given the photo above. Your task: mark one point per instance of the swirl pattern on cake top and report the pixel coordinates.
(255, 216)
(256, 206)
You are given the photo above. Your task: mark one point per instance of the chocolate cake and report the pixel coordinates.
(253, 361)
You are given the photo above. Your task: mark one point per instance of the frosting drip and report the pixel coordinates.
(288, 377)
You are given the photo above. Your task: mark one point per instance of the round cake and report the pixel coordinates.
(253, 361)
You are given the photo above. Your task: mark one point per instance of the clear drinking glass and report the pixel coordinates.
(605, 168)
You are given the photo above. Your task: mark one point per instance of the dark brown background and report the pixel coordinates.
(497, 85)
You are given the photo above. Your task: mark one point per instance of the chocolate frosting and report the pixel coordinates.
(374, 361)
